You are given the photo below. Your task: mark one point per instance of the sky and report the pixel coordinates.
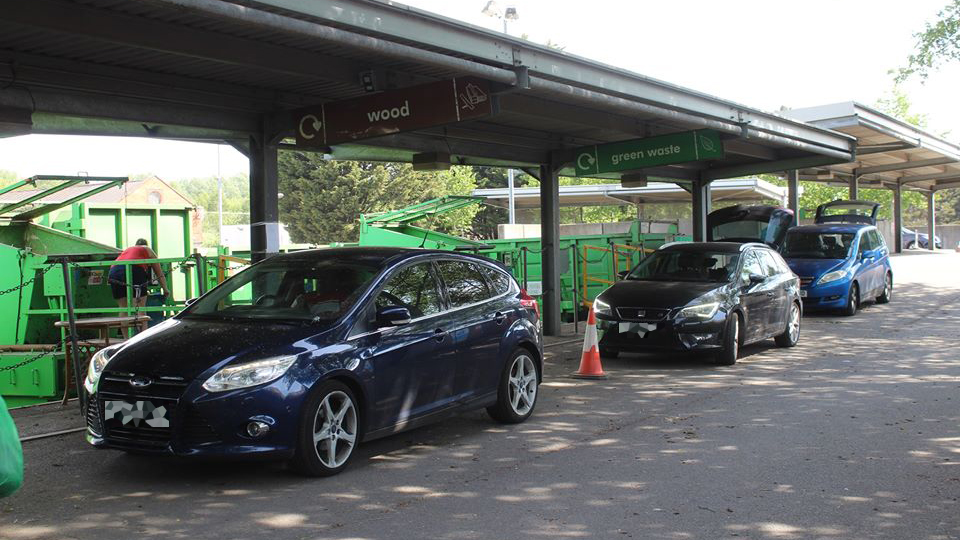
(766, 54)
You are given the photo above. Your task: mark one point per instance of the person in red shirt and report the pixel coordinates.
(140, 275)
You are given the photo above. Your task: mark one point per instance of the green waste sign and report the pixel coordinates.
(649, 152)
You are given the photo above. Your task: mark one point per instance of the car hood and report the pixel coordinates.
(814, 268)
(188, 347)
(656, 294)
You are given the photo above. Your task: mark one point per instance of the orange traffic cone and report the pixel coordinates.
(590, 367)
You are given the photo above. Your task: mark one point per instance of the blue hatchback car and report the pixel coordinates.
(842, 260)
(304, 355)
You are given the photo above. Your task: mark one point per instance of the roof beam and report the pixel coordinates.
(766, 167)
(946, 185)
(904, 165)
(73, 19)
(909, 179)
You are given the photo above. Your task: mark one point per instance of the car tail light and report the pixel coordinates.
(529, 302)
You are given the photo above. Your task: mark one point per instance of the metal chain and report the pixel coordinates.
(16, 288)
(42, 354)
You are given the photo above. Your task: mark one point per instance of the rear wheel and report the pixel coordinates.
(731, 341)
(790, 335)
(517, 392)
(887, 293)
(329, 430)
(853, 301)
(911, 245)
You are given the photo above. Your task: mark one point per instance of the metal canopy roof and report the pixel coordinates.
(741, 189)
(889, 151)
(19, 204)
(222, 70)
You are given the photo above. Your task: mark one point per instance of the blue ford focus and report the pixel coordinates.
(842, 260)
(304, 355)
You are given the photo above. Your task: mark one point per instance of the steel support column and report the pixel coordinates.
(793, 194)
(854, 186)
(264, 207)
(898, 218)
(701, 207)
(931, 220)
(550, 243)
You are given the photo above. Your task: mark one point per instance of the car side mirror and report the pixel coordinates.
(623, 274)
(756, 278)
(393, 316)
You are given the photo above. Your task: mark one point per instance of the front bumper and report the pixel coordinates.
(200, 424)
(832, 295)
(676, 335)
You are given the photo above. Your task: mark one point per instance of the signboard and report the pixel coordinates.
(408, 109)
(649, 152)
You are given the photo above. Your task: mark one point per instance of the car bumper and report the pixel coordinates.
(662, 336)
(199, 423)
(828, 296)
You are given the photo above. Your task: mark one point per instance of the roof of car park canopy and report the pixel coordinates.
(211, 69)
(889, 151)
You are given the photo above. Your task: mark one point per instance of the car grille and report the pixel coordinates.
(195, 430)
(805, 280)
(93, 417)
(162, 391)
(639, 314)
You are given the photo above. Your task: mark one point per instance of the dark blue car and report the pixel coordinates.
(304, 355)
(842, 260)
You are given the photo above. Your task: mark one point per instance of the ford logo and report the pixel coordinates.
(141, 381)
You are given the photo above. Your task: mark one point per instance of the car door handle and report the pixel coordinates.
(499, 317)
(439, 334)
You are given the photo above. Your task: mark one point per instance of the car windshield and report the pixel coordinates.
(685, 265)
(316, 289)
(817, 245)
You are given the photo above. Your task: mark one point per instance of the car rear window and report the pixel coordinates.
(499, 280)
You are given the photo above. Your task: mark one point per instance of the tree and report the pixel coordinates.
(938, 43)
(203, 193)
(322, 200)
(7, 177)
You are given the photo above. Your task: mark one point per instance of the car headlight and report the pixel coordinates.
(833, 276)
(602, 308)
(249, 374)
(97, 364)
(700, 311)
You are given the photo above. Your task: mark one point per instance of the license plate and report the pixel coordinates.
(136, 414)
(803, 293)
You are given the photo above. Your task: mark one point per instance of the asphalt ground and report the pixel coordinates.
(853, 434)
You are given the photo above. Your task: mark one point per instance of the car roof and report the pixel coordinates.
(730, 247)
(384, 254)
(832, 227)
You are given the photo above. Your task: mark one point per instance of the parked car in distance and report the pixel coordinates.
(842, 260)
(701, 296)
(741, 223)
(304, 355)
(916, 239)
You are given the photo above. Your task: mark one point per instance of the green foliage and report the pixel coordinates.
(7, 177)
(203, 193)
(897, 104)
(938, 43)
(322, 200)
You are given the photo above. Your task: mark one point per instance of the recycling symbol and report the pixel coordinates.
(586, 161)
(309, 126)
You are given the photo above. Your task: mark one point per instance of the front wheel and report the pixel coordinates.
(853, 301)
(791, 334)
(731, 342)
(329, 430)
(887, 293)
(517, 391)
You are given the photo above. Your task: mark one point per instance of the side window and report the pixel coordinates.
(465, 284)
(414, 288)
(499, 280)
(782, 264)
(878, 241)
(770, 267)
(864, 243)
(751, 265)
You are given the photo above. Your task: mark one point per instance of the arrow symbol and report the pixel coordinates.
(310, 121)
(588, 158)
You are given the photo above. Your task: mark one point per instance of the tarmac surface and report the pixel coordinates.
(853, 434)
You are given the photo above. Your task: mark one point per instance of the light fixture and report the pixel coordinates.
(511, 14)
(491, 9)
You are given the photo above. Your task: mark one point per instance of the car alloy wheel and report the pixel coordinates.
(853, 301)
(517, 392)
(329, 430)
(335, 429)
(731, 342)
(887, 290)
(791, 334)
